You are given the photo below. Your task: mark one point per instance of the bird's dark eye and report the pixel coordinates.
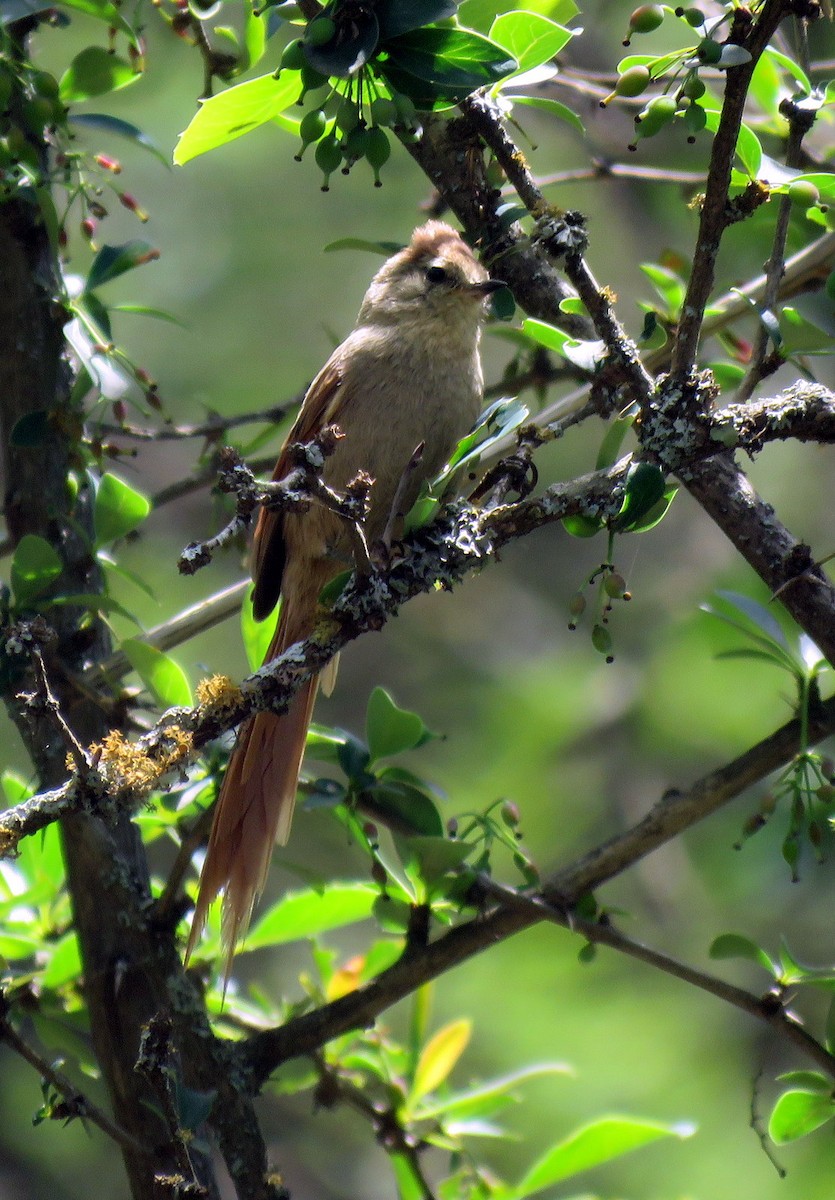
(436, 275)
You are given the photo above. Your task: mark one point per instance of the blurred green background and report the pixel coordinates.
(529, 711)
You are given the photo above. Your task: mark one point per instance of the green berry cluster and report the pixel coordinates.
(351, 121)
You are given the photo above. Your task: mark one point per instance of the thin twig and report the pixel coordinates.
(78, 1105)
(715, 217)
(213, 428)
(800, 121)
(764, 1008)
(266, 1050)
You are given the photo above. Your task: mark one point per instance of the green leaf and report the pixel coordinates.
(790, 66)
(438, 1057)
(609, 450)
(546, 335)
(808, 1081)
(798, 1113)
(561, 111)
(402, 16)
(748, 148)
(480, 14)
(581, 526)
(735, 945)
(257, 635)
(656, 512)
(530, 38)
(350, 49)
(121, 128)
(102, 10)
(112, 261)
(428, 859)
(64, 963)
(645, 486)
(410, 1185)
(236, 111)
(255, 36)
(308, 913)
(354, 243)
(93, 72)
(486, 1097)
(35, 566)
(444, 63)
(160, 673)
(118, 509)
(757, 614)
(405, 807)
(598, 1142)
(390, 730)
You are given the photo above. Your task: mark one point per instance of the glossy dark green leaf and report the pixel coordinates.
(94, 72)
(353, 758)
(645, 486)
(453, 61)
(353, 44)
(108, 124)
(35, 566)
(112, 261)
(405, 807)
(656, 512)
(402, 16)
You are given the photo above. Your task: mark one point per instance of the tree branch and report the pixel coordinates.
(264, 1051)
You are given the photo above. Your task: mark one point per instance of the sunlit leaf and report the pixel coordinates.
(118, 510)
(530, 38)
(159, 672)
(798, 1113)
(308, 913)
(236, 111)
(598, 1142)
(438, 1057)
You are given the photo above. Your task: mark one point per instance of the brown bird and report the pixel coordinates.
(408, 375)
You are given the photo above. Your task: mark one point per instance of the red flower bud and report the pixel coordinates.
(108, 163)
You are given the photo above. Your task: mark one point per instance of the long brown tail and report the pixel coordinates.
(254, 808)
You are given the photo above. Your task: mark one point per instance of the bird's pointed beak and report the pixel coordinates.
(487, 286)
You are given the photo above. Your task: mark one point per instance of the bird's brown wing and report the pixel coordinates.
(320, 408)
